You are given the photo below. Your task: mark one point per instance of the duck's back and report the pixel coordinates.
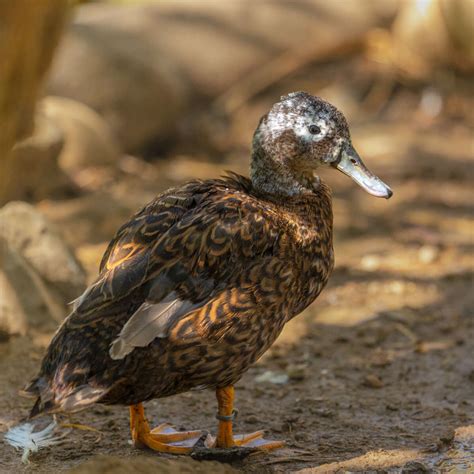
(192, 290)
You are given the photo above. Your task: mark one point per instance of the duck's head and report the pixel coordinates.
(300, 134)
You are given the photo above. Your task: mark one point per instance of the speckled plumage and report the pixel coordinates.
(248, 263)
(199, 283)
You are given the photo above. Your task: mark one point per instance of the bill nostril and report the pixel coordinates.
(354, 161)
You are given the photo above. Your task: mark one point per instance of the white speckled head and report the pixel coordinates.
(311, 118)
(300, 133)
(305, 124)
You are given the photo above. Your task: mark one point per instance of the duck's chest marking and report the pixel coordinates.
(311, 256)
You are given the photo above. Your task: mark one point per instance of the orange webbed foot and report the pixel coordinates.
(224, 447)
(164, 438)
(225, 444)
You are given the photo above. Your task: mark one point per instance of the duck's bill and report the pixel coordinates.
(351, 164)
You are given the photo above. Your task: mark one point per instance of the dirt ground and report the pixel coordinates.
(376, 376)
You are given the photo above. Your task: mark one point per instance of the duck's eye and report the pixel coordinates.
(314, 130)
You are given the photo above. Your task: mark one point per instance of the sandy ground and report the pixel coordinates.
(378, 373)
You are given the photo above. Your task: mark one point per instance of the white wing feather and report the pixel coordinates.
(23, 437)
(151, 320)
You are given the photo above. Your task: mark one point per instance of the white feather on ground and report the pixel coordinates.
(23, 437)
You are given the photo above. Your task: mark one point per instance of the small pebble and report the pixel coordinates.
(415, 467)
(297, 372)
(252, 419)
(301, 436)
(373, 381)
(370, 262)
(272, 377)
(428, 254)
(322, 412)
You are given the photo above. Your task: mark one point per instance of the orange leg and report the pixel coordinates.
(225, 400)
(163, 438)
(225, 437)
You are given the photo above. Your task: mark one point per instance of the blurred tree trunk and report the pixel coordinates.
(29, 33)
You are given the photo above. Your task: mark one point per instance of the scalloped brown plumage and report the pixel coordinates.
(246, 264)
(199, 283)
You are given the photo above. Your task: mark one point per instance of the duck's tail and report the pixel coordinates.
(50, 399)
(68, 399)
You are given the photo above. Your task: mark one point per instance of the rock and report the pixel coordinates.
(370, 263)
(147, 68)
(32, 237)
(152, 465)
(25, 300)
(88, 140)
(373, 381)
(106, 62)
(297, 372)
(199, 35)
(415, 467)
(428, 254)
(253, 420)
(12, 315)
(34, 172)
(90, 219)
(272, 377)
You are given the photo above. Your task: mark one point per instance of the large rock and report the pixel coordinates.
(150, 465)
(108, 64)
(34, 172)
(68, 136)
(88, 140)
(25, 300)
(28, 233)
(144, 67)
(12, 316)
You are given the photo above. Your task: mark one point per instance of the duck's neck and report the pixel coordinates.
(269, 176)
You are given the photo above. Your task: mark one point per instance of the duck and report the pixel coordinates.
(199, 284)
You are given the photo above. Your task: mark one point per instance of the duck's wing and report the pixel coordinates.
(196, 257)
(124, 264)
(215, 266)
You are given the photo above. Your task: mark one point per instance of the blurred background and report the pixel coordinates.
(105, 104)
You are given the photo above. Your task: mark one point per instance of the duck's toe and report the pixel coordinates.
(150, 441)
(165, 433)
(164, 438)
(256, 441)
